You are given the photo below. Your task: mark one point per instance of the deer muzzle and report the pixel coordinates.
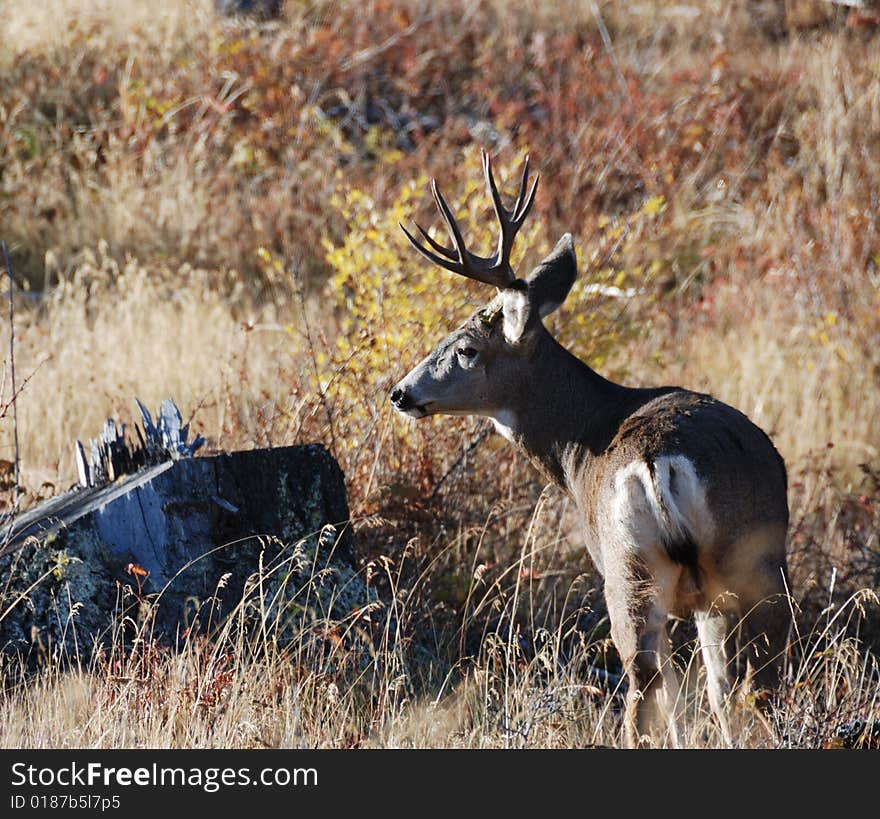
(403, 402)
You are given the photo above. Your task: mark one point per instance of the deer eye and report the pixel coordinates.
(466, 352)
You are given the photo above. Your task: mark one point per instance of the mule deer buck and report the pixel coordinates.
(682, 498)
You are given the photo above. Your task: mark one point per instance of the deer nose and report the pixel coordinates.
(400, 399)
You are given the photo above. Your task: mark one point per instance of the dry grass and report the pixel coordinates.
(58, 25)
(107, 333)
(526, 688)
(168, 182)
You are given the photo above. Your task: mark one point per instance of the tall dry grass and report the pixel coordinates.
(58, 25)
(537, 687)
(108, 332)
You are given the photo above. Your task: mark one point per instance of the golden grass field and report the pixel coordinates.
(207, 209)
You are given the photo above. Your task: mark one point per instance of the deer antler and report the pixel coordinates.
(494, 269)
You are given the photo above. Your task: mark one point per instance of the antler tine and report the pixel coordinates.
(509, 220)
(443, 251)
(500, 210)
(451, 224)
(502, 254)
(446, 263)
(522, 185)
(520, 213)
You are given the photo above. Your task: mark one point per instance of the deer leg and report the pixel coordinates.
(671, 695)
(754, 572)
(712, 630)
(765, 629)
(638, 608)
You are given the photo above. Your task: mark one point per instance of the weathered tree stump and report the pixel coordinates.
(173, 536)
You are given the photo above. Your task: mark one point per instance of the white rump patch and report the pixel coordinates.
(673, 500)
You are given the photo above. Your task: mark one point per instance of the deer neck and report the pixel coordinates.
(561, 414)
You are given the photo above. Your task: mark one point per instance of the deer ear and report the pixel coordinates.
(551, 280)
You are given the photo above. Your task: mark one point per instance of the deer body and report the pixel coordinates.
(682, 498)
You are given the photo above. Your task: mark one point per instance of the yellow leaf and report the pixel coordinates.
(654, 206)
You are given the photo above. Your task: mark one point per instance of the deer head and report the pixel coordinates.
(475, 370)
